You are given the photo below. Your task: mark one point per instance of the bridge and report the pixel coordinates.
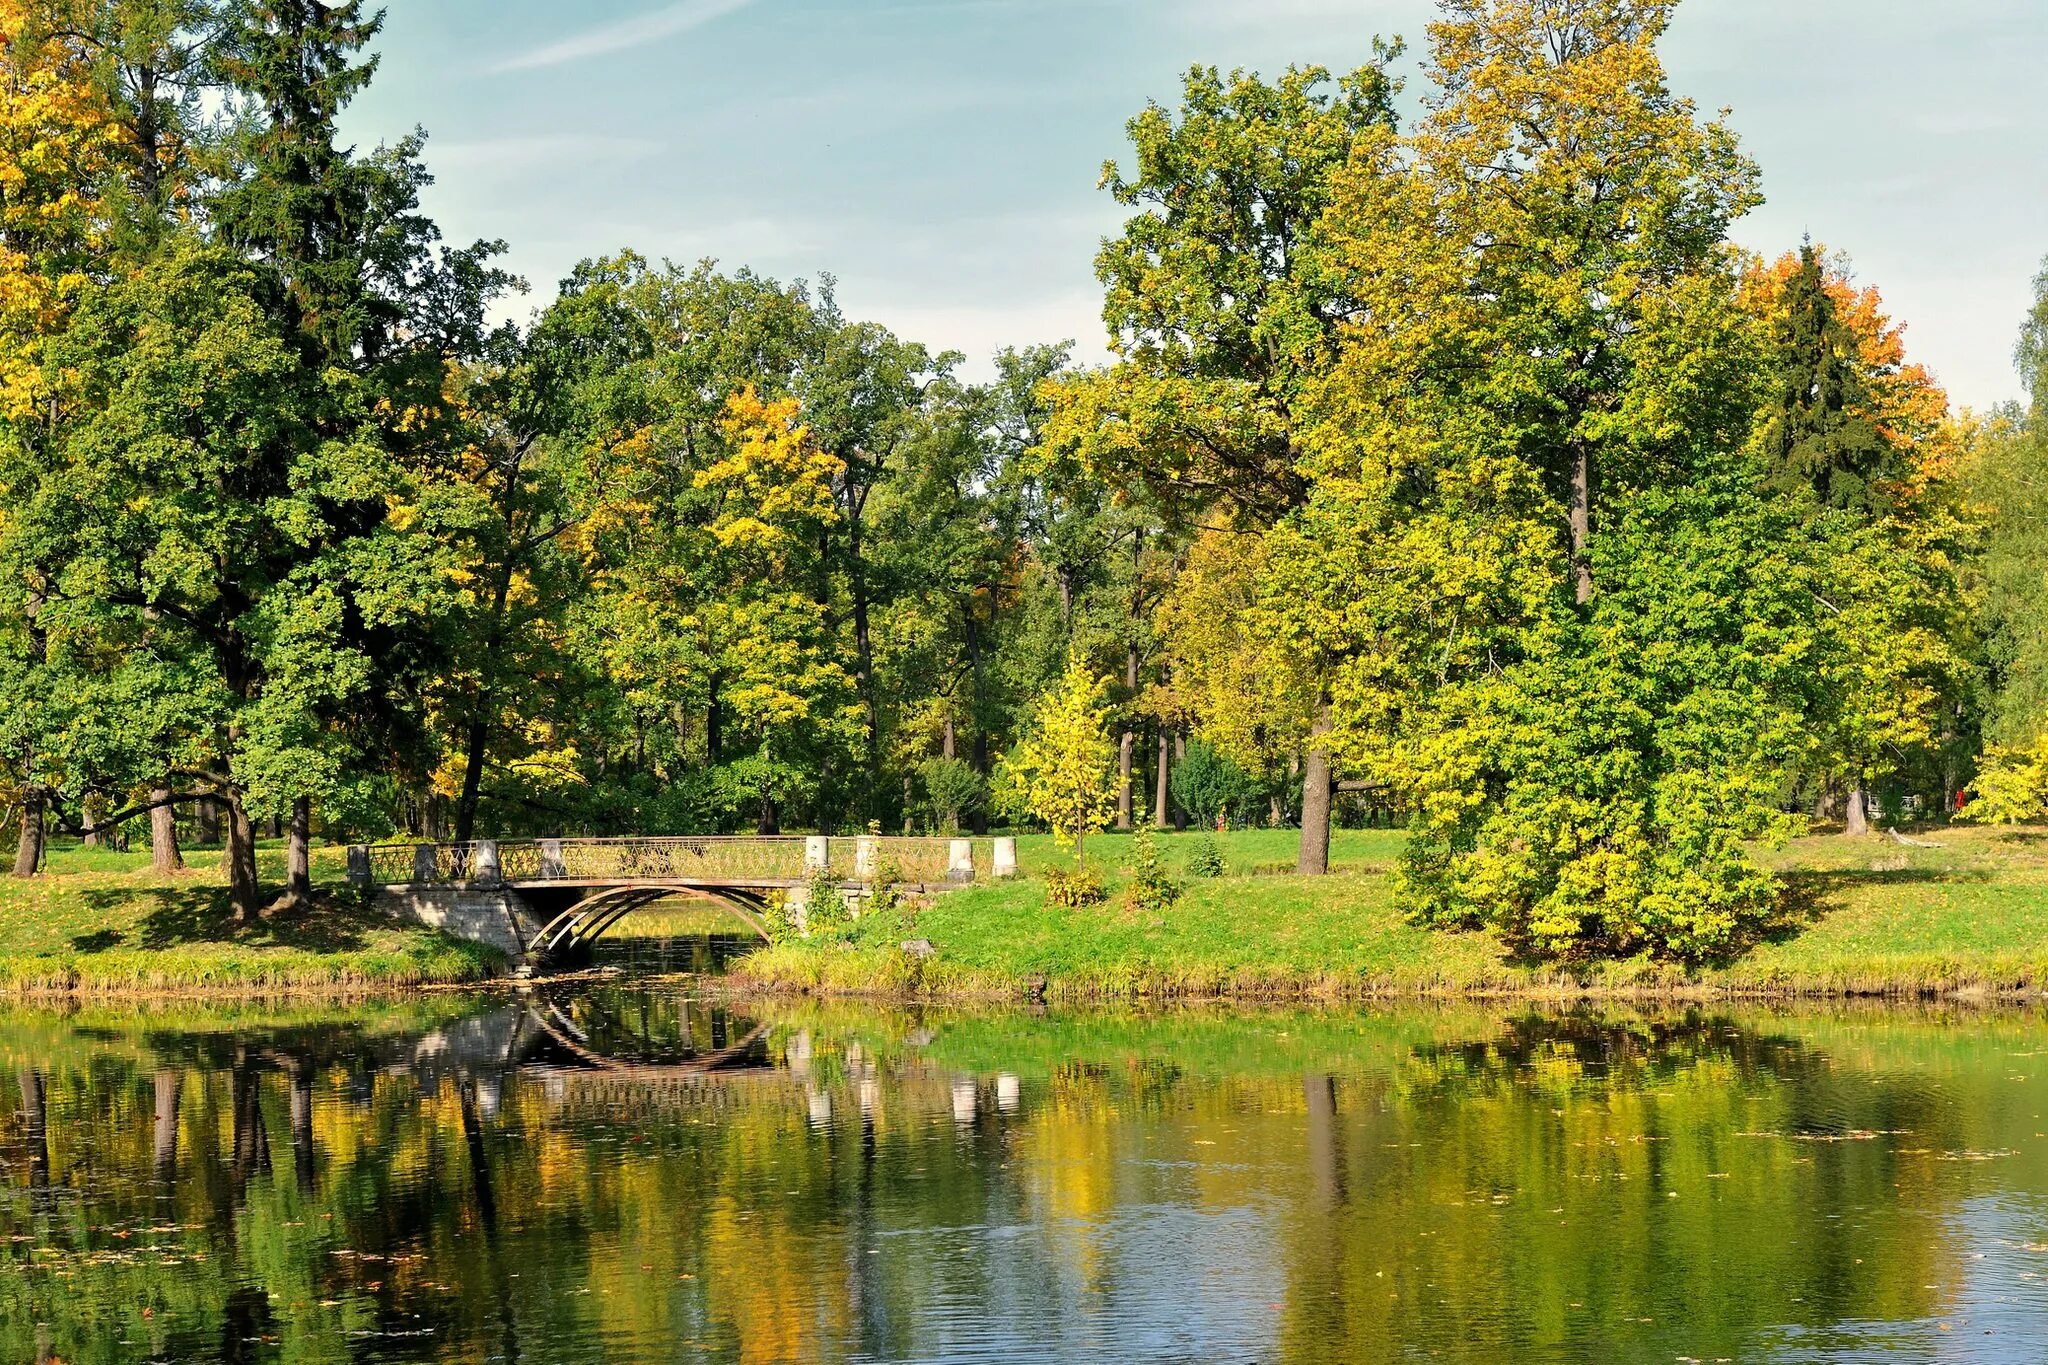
(540, 899)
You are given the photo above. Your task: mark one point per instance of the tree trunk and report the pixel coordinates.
(1859, 813)
(472, 779)
(1582, 522)
(1180, 755)
(298, 888)
(766, 822)
(979, 750)
(1316, 791)
(207, 812)
(28, 856)
(1126, 795)
(948, 740)
(1160, 780)
(714, 732)
(164, 858)
(864, 657)
(170, 1085)
(245, 890)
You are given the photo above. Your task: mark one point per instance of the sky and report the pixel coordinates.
(941, 158)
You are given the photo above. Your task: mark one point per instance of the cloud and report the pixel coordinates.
(625, 33)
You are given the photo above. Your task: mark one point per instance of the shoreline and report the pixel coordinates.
(1162, 991)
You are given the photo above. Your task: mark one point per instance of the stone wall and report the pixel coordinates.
(492, 916)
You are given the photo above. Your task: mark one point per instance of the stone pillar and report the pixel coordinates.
(426, 864)
(960, 861)
(358, 865)
(817, 854)
(1006, 859)
(867, 856)
(483, 863)
(551, 867)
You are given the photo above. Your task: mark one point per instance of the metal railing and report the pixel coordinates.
(736, 860)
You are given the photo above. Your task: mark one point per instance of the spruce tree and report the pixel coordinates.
(1819, 434)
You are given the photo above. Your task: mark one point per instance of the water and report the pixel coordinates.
(606, 1172)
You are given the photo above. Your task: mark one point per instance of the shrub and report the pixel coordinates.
(1207, 860)
(1073, 890)
(1149, 889)
(825, 914)
(1207, 785)
(953, 791)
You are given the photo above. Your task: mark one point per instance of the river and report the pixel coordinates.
(618, 1170)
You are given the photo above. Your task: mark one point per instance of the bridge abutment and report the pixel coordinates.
(494, 916)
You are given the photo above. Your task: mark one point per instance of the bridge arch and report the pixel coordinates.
(591, 918)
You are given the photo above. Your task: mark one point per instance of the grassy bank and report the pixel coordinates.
(100, 923)
(1864, 917)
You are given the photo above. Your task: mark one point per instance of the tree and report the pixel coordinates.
(1207, 784)
(1225, 309)
(1063, 771)
(1547, 380)
(1818, 429)
(57, 144)
(1862, 439)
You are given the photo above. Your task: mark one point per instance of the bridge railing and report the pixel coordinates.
(716, 859)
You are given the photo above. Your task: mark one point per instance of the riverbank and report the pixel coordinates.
(100, 923)
(1864, 917)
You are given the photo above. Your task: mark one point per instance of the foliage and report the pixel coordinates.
(2012, 787)
(1062, 772)
(1206, 861)
(827, 917)
(1207, 785)
(953, 792)
(1148, 888)
(1073, 890)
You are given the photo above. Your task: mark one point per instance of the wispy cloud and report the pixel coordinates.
(624, 34)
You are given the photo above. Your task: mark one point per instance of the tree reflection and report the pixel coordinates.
(804, 1183)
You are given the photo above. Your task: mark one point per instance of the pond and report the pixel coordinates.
(628, 1170)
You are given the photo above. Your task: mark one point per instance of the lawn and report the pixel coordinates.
(1866, 916)
(99, 922)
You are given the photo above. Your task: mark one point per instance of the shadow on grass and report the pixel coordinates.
(1812, 894)
(179, 917)
(100, 942)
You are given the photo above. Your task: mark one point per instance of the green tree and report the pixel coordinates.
(1548, 382)
(1226, 308)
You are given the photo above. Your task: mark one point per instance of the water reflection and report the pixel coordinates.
(607, 1173)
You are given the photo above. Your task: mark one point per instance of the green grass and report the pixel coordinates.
(1862, 917)
(99, 922)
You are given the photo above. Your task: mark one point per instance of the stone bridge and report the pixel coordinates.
(540, 899)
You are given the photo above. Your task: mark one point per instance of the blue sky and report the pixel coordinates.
(941, 156)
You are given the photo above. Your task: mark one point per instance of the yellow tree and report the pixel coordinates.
(1064, 772)
(1249, 696)
(57, 143)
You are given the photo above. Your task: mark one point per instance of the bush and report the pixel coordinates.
(953, 792)
(1207, 785)
(825, 914)
(1073, 890)
(1207, 860)
(1149, 889)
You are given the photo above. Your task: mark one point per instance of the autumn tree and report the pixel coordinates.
(1547, 381)
(57, 142)
(1062, 771)
(1861, 439)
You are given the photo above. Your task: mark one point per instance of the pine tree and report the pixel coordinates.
(1819, 434)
